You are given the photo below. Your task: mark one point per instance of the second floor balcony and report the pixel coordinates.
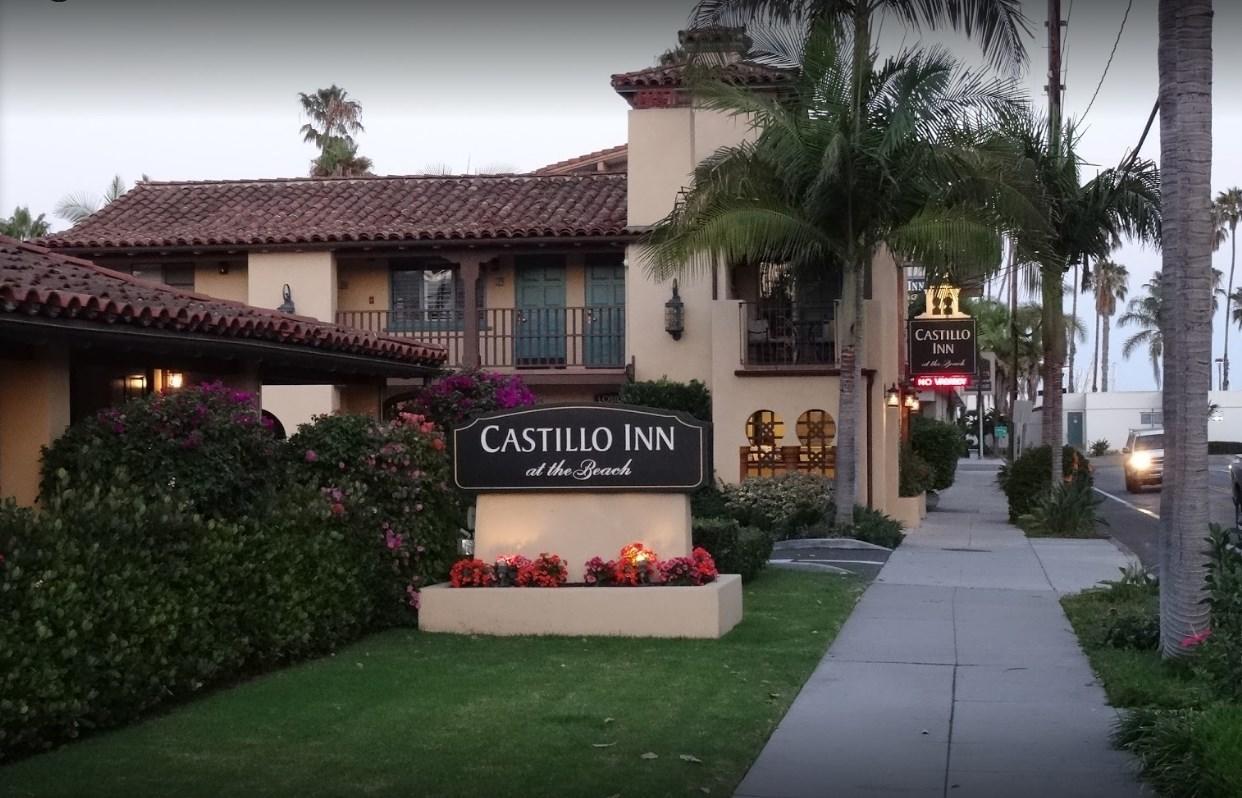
(785, 335)
(511, 338)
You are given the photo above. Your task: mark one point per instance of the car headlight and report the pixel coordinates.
(1140, 461)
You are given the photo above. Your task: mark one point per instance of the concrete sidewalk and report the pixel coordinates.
(958, 675)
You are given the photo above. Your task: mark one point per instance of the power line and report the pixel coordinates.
(1116, 42)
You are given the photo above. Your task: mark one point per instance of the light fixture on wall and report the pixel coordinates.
(893, 397)
(675, 315)
(287, 295)
(174, 380)
(912, 401)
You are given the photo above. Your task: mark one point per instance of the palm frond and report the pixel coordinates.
(73, 208)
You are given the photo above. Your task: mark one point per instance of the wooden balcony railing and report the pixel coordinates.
(799, 335)
(534, 338)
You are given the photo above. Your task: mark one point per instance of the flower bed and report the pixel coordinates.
(635, 566)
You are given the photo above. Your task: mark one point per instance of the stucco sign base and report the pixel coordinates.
(706, 611)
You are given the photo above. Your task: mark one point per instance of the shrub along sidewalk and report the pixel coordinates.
(1184, 719)
(403, 713)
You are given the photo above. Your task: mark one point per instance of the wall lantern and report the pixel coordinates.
(675, 315)
(174, 380)
(287, 295)
(912, 401)
(893, 396)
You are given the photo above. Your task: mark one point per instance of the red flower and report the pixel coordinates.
(472, 573)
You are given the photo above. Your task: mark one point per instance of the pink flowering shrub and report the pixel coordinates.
(451, 400)
(207, 445)
(389, 482)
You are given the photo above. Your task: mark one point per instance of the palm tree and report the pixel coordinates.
(999, 25)
(332, 113)
(334, 118)
(1086, 220)
(1109, 283)
(340, 158)
(22, 226)
(1147, 313)
(849, 161)
(73, 208)
(1227, 211)
(1184, 56)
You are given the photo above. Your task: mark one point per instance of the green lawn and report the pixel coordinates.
(410, 714)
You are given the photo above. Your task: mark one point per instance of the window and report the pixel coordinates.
(1151, 418)
(174, 276)
(428, 293)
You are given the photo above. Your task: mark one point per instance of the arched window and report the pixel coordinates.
(763, 457)
(817, 454)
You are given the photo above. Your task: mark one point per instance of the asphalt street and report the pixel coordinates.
(1134, 518)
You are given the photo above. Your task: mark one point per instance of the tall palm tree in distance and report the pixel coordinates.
(1109, 285)
(1226, 211)
(1146, 312)
(1184, 58)
(857, 157)
(334, 119)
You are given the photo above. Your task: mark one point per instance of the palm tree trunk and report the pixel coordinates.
(1053, 340)
(845, 488)
(1095, 355)
(1107, 325)
(1233, 261)
(1073, 331)
(1185, 70)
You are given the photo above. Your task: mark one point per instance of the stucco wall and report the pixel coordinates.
(232, 285)
(580, 525)
(665, 144)
(34, 411)
(362, 285)
(1110, 416)
(312, 279)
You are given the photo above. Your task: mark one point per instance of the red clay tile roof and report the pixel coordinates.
(576, 165)
(673, 75)
(357, 209)
(37, 282)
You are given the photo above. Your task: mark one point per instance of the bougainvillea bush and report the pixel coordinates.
(207, 445)
(450, 400)
(389, 481)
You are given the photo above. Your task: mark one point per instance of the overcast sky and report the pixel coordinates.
(198, 89)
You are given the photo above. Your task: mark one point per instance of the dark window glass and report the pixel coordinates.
(1143, 442)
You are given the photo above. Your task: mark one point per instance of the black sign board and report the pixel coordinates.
(582, 447)
(942, 346)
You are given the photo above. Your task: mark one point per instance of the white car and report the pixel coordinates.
(1144, 459)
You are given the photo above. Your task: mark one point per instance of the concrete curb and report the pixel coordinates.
(822, 568)
(826, 543)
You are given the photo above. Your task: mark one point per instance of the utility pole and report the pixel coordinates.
(1013, 336)
(1054, 87)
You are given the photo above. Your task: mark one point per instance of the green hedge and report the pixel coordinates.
(233, 553)
(736, 549)
(914, 474)
(1027, 479)
(111, 603)
(785, 506)
(687, 397)
(941, 444)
